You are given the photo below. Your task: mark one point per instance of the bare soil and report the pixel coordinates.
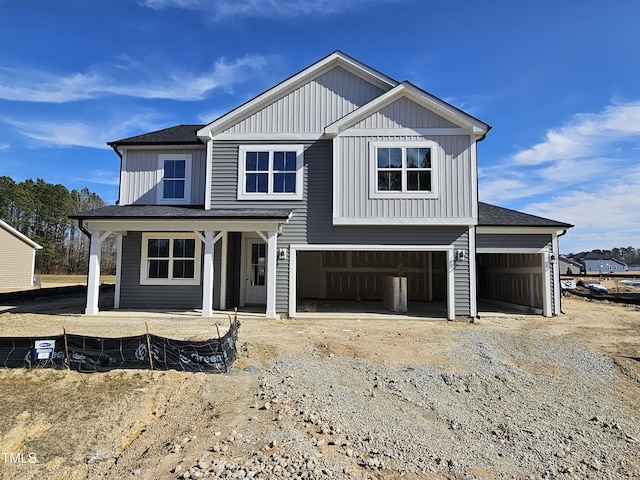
(147, 424)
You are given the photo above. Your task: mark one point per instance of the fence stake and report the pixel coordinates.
(224, 360)
(146, 324)
(66, 347)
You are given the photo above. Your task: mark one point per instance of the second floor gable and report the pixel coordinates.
(397, 155)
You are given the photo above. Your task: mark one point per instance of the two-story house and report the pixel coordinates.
(317, 189)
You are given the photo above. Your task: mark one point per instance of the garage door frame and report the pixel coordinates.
(447, 249)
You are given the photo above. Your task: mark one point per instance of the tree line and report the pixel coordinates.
(40, 211)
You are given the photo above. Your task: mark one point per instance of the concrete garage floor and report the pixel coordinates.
(325, 307)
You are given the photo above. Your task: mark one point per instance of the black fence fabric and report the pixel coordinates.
(91, 354)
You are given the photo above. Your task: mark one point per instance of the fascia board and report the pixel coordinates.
(517, 230)
(19, 235)
(181, 225)
(271, 95)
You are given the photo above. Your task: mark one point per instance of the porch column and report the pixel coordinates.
(207, 275)
(223, 270)
(93, 279)
(272, 243)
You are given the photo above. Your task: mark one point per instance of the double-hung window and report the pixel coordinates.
(174, 178)
(403, 170)
(270, 172)
(170, 259)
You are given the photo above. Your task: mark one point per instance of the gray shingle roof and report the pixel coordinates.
(171, 212)
(493, 216)
(178, 135)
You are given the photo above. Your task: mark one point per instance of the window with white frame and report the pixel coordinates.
(174, 178)
(403, 169)
(270, 172)
(170, 259)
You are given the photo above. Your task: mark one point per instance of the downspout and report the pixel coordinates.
(115, 149)
(88, 234)
(564, 232)
(475, 231)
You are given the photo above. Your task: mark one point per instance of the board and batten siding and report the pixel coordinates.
(404, 113)
(139, 177)
(312, 222)
(454, 179)
(312, 106)
(16, 261)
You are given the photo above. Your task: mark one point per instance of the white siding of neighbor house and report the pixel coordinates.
(455, 182)
(312, 106)
(139, 176)
(16, 261)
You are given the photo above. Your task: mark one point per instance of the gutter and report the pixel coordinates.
(115, 149)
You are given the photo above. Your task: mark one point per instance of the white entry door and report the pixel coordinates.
(255, 278)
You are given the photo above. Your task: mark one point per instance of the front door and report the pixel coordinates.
(255, 287)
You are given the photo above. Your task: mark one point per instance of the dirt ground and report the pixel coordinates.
(68, 425)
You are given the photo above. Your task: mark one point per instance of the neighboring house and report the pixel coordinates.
(317, 189)
(598, 263)
(569, 266)
(17, 258)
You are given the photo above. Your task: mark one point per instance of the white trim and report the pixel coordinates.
(555, 249)
(281, 89)
(336, 194)
(209, 173)
(163, 146)
(242, 194)
(187, 157)
(258, 136)
(122, 187)
(117, 293)
(546, 285)
(207, 276)
(179, 225)
(146, 236)
(540, 230)
(272, 261)
(435, 155)
(474, 180)
(423, 132)
(512, 250)
(448, 249)
(462, 221)
(473, 275)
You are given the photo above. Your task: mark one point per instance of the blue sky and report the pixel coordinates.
(559, 81)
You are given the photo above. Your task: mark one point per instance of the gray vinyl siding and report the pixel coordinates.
(312, 223)
(404, 113)
(502, 240)
(312, 106)
(134, 295)
(140, 175)
(454, 180)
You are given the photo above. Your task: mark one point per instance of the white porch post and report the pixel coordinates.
(223, 270)
(272, 243)
(116, 296)
(93, 280)
(207, 275)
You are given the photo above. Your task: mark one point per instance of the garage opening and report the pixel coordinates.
(512, 281)
(348, 281)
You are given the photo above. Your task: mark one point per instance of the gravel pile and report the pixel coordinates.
(495, 411)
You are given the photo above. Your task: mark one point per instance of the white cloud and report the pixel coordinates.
(102, 177)
(587, 135)
(5, 146)
(585, 173)
(54, 133)
(275, 9)
(111, 78)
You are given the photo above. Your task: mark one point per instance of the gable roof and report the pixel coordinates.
(332, 60)
(421, 97)
(4, 225)
(494, 216)
(178, 135)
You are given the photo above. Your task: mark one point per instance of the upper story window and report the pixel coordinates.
(174, 184)
(169, 259)
(270, 172)
(403, 170)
